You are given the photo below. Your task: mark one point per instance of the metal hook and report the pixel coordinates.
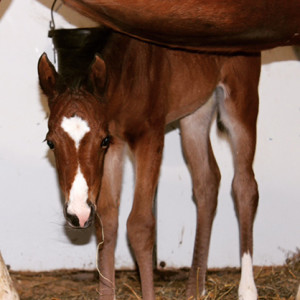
(52, 28)
(52, 23)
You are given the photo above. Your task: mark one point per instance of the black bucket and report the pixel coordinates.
(76, 49)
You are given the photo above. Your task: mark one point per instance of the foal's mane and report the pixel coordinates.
(78, 87)
(74, 84)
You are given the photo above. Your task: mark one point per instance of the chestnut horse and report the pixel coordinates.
(209, 25)
(128, 97)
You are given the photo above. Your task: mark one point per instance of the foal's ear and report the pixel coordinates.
(47, 76)
(98, 74)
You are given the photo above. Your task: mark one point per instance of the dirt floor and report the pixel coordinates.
(272, 283)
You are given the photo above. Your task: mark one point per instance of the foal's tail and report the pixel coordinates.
(220, 124)
(220, 95)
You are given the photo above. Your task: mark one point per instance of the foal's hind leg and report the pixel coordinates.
(205, 173)
(238, 113)
(107, 218)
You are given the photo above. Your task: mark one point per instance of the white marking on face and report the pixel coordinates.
(247, 288)
(76, 128)
(78, 199)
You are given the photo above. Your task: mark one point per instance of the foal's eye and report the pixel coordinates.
(50, 144)
(105, 142)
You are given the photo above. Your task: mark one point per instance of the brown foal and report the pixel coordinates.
(132, 91)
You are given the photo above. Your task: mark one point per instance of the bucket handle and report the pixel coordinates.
(52, 27)
(52, 23)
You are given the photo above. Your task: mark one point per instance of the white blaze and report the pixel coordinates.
(77, 198)
(77, 128)
(247, 288)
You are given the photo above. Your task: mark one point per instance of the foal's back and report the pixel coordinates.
(146, 79)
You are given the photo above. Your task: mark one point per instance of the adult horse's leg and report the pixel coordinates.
(107, 218)
(206, 178)
(238, 113)
(147, 151)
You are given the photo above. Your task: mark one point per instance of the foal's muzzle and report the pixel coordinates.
(77, 221)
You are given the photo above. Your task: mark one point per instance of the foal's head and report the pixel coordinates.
(78, 135)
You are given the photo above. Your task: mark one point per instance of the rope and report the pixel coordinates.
(97, 256)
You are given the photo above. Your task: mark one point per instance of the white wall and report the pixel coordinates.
(32, 228)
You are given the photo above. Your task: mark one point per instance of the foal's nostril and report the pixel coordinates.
(72, 220)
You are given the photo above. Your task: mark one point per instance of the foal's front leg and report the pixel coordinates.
(147, 151)
(107, 218)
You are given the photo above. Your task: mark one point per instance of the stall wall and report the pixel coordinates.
(33, 234)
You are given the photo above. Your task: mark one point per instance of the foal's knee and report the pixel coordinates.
(141, 231)
(107, 224)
